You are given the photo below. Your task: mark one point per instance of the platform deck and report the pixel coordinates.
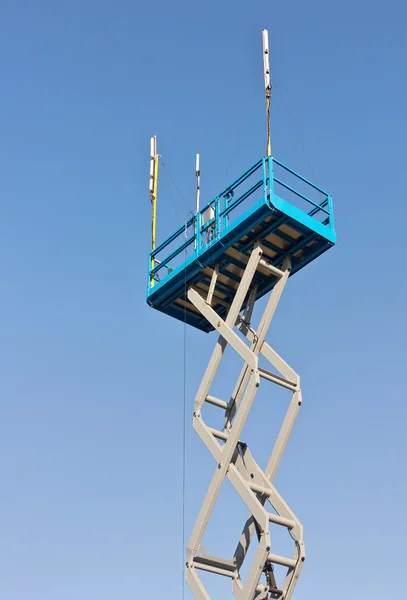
(269, 204)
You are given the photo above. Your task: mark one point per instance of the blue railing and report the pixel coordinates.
(204, 228)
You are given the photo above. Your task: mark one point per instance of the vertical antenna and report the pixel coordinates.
(153, 142)
(198, 193)
(153, 197)
(198, 183)
(267, 85)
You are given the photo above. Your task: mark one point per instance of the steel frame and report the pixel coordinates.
(234, 460)
(260, 193)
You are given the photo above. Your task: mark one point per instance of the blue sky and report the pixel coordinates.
(91, 379)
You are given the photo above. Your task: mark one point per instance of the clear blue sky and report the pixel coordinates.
(91, 379)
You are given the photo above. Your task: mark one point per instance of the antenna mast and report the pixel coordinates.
(153, 197)
(198, 183)
(267, 85)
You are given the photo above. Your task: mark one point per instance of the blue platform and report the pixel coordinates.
(270, 204)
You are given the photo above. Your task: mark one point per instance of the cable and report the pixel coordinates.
(239, 133)
(296, 133)
(296, 544)
(177, 188)
(184, 436)
(172, 197)
(184, 381)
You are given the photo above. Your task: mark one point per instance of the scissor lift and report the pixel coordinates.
(244, 244)
(233, 261)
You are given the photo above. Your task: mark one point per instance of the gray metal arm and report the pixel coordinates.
(234, 460)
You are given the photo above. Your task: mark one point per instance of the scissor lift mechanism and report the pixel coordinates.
(216, 287)
(254, 486)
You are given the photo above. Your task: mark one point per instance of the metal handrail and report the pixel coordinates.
(223, 206)
(241, 198)
(280, 164)
(288, 187)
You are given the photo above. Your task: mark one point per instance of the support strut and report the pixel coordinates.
(266, 507)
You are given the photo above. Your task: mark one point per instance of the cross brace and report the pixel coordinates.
(234, 460)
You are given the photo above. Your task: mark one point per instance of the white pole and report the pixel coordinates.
(267, 85)
(153, 146)
(266, 63)
(198, 183)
